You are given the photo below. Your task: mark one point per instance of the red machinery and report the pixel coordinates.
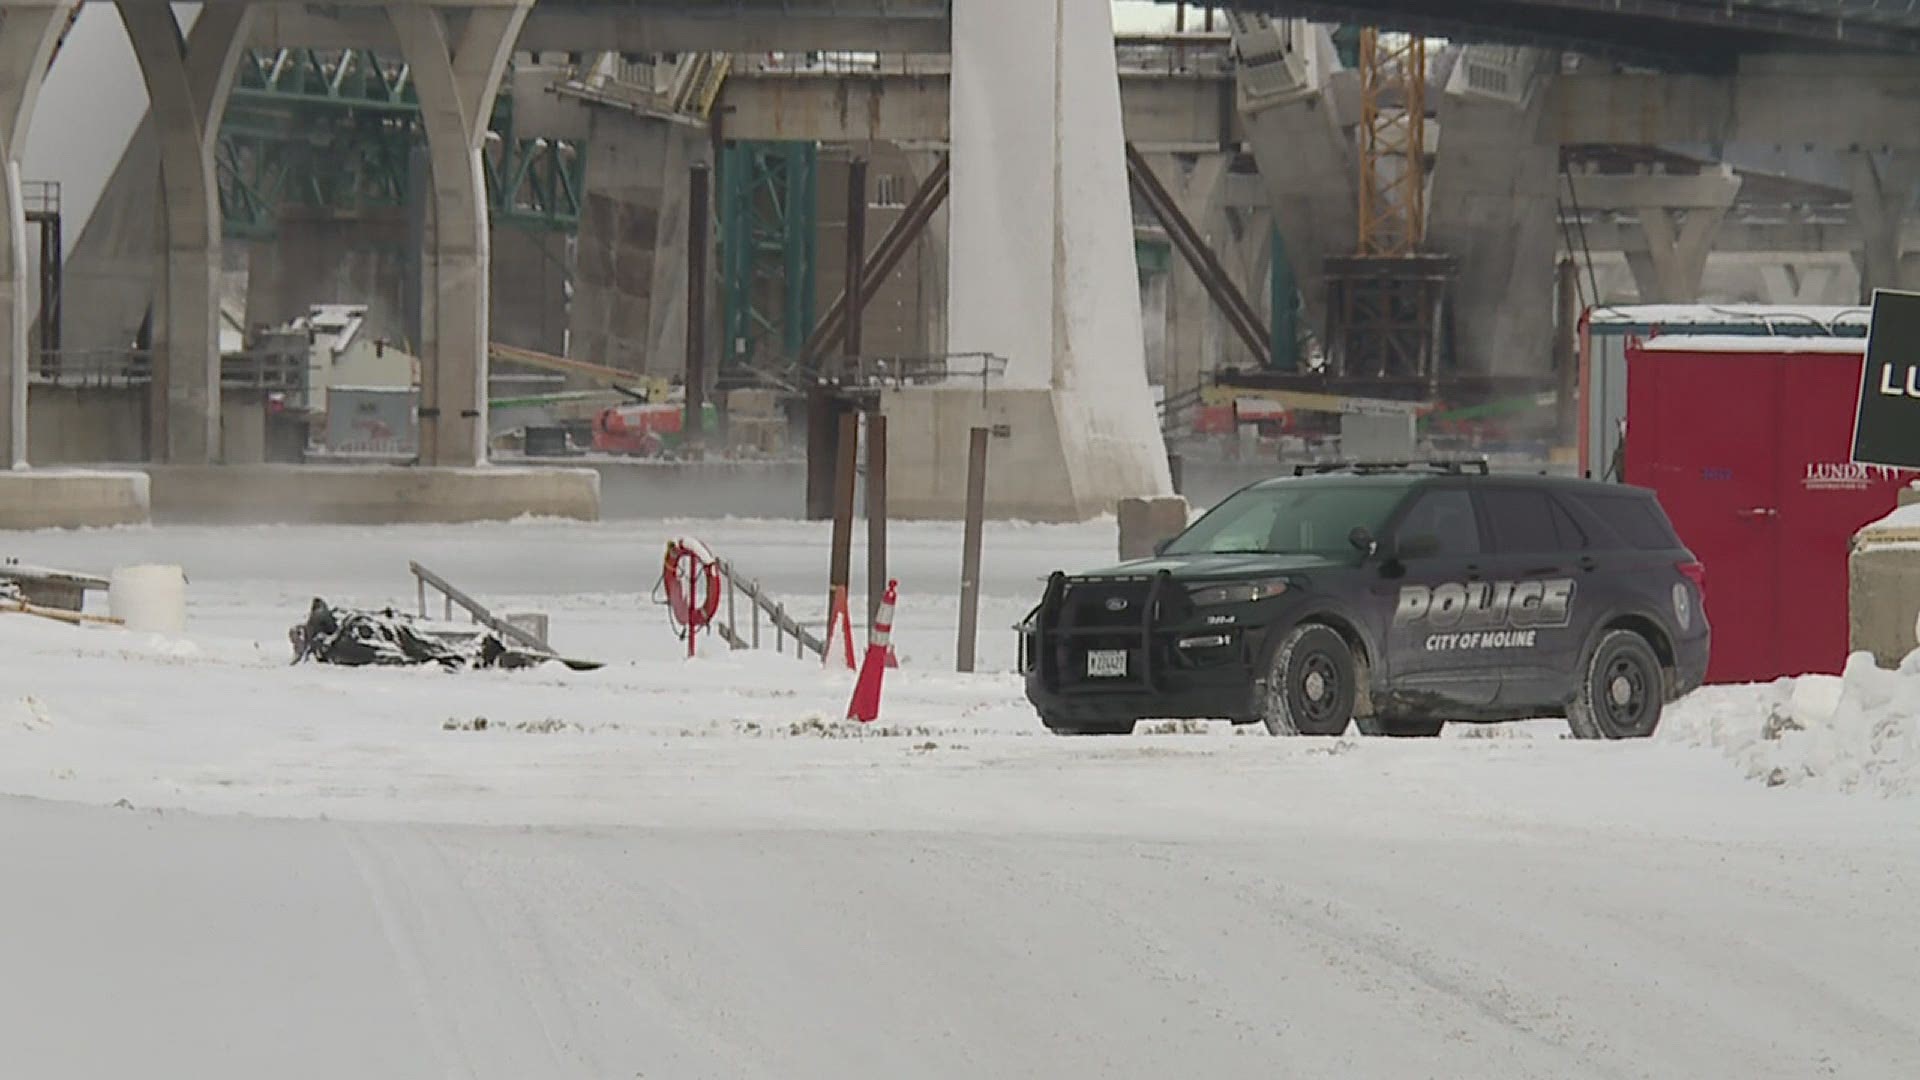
(635, 429)
(1747, 440)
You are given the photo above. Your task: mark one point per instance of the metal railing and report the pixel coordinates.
(897, 372)
(1200, 55)
(784, 626)
(132, 367)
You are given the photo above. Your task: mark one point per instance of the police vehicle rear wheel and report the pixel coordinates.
(1310, 683)
(1622, 692)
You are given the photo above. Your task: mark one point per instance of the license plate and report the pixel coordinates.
(1107, 664)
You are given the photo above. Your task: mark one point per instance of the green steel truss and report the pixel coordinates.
(769, 217)
(337, 130)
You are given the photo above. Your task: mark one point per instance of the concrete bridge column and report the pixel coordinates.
(1246, 250)
(1494, 205)
(188, 79)
(1794, 283)
(457, 79)
(1674, 266)
(1195, 182)
(1291, 97)
(1882, 195)
(1680, 216)
(28, 34)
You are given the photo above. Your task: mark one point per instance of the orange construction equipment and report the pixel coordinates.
(865, 706)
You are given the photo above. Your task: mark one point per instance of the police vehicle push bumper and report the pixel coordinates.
(1110, 648)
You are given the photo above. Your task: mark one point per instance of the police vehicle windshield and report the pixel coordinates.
(1304, 519)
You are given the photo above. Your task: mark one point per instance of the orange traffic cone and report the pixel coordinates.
(865, 706)
(840, 619)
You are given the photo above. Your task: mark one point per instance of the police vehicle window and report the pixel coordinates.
(1571, 536)
(1447, 516)
(1522, 520)
(1636, 518)
(1287, 519)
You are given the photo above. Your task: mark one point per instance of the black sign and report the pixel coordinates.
(1886, 430)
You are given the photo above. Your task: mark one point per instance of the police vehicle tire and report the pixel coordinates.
(1061, 726)
(1310, 683)
(1399, 727)
(1621, 692)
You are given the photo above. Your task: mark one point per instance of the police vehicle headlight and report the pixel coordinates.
(1240, 592)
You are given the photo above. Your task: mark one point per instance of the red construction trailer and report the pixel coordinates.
(1746, 440)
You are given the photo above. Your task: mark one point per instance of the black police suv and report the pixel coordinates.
(1395, 596)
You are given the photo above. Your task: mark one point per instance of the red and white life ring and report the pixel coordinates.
(692, 577)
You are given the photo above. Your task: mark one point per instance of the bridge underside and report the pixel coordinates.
(1678, 35)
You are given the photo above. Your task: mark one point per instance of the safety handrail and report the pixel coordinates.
(759, 603)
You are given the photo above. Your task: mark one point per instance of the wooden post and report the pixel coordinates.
(970, 548)
(840, 571)
(693, 425)
(876, 514)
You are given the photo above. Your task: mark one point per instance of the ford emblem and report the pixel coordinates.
(1116, 603)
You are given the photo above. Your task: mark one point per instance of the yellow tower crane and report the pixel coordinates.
(1393, 112)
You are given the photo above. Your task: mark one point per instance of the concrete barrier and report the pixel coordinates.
(1883, 586)
(1146, 522)
(65, 499)
(368, 495)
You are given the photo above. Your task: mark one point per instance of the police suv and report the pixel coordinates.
(1396, 596)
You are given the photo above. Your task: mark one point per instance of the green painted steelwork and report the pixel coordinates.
(336, 130)
(1284, 303)
(769, 234)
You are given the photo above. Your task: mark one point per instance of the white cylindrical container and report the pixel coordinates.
(152, 599)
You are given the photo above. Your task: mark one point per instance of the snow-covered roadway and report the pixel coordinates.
(672, 869)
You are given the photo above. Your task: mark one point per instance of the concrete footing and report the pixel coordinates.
(59, 499)
(1883, 589)
(368, 495)
(1041, 465)
(1144, 523)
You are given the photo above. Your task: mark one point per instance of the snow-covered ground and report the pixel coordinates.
(220, 865)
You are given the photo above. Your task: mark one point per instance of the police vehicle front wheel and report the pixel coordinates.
(1621, 692)
(1310, 683)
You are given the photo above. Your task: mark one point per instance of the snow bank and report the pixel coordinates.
(1857, 732)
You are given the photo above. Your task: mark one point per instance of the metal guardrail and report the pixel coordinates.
(133, 367)
(896, 372)
(1199, 55)
(759, 603)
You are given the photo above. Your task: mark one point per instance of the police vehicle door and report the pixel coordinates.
(1531, 607)
(1427, 590)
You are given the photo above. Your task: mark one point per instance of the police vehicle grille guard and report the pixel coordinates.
(1050, 637)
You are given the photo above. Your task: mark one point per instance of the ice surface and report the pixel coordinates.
(226, 867)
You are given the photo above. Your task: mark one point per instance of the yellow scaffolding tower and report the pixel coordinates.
(1393, 129)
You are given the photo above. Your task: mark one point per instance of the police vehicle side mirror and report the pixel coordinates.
(1363, 541)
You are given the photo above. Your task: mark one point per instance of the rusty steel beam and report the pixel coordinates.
(893, 247)
(1213, 277)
